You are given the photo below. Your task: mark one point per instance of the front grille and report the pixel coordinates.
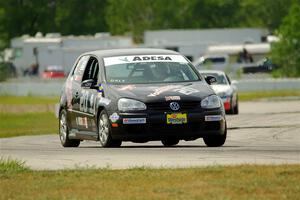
(165, 106)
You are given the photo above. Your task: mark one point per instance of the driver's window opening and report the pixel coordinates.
(91, 70)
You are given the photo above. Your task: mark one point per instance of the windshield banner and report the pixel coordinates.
(143, 58)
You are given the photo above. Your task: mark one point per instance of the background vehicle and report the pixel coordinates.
(225, 89)
(54, 71)
(261, 66)
(139, 95)
(217, 61)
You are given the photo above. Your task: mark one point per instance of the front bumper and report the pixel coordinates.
(153, 126)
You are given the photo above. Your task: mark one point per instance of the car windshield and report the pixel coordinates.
(221, 79)
(150, 72)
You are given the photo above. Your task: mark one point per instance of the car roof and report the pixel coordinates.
(211, 71)
(130, 51)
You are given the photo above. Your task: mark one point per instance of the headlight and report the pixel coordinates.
(211, 102)
(130, 105)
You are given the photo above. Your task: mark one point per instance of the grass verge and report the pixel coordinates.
(8, 166)
(236, 182)
(20, 124)
(250, 96)
(18, 100)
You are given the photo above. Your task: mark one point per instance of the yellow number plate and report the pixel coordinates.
(177, 118)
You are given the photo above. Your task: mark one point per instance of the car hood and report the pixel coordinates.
(222, 89)
(188, 91)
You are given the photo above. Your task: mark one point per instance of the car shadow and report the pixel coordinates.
(160, 147)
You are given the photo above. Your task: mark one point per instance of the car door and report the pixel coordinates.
(74, 88)
(87, 103)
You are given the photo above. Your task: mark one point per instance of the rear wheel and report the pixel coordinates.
(170, 142)
(236, 108)
(215, 140)
(64, 131)
(104, 132)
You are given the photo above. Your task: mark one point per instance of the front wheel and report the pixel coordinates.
(64, 131)
(215, 140)
(104, 132)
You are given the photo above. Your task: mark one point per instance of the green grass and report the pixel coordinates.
(20, 124)
(16, 100)
(8, 166)
(220, 182)
(250, 96)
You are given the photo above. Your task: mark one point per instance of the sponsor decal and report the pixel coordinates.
(186, 90)
(134, 120)
(104, 101)
(82, 121)
(143, 58)
(127, 87)
(114, 117)
(174, 88)
(213, 118)
(172, 98)
(100, 88)
(69, 93)
(99, 95)
(177, 118)
(84, 100)
(160, 90)
(92, 104)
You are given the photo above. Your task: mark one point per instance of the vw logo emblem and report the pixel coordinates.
(174, 106)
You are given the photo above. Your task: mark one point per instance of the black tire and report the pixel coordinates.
(104, 131)
(236, 108)
(215, 140)
(170, 142)
(63, 131)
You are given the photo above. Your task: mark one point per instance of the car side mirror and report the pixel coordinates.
(89, 84)
(210, 80)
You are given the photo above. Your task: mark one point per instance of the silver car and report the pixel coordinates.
(225, 89)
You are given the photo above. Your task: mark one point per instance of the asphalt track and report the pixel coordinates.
(263, 133)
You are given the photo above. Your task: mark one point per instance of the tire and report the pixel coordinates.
(215, 140)
(64, 131)
(170, 142)
(104, 131)
(236, 108)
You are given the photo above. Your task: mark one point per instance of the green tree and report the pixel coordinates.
(286, 53)
(19, 17)
(80, 17)
(129, 16)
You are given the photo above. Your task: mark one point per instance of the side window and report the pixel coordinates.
(91, 70)
(79, 69)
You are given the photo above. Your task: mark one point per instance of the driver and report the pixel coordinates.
(160, 71)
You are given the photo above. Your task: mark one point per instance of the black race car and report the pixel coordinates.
(139, 95)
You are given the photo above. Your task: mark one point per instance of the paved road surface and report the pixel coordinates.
(263, 133)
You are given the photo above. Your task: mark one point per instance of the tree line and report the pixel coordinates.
(133, 17)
